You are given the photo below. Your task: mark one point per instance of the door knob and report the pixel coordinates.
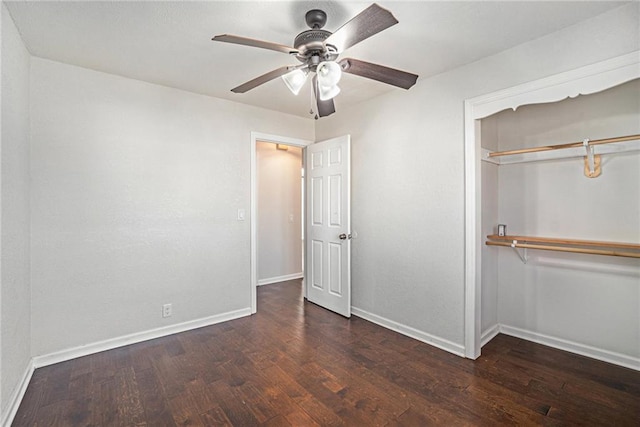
(344, 236)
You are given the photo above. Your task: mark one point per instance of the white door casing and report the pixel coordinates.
(276, 139)
(328, 223)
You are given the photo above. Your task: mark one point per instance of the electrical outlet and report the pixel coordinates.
(166, 310)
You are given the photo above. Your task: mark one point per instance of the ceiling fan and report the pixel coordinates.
(318, 49)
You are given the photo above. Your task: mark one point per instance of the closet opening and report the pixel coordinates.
(559, 229)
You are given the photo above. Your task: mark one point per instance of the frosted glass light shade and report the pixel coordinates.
(295, 80)
(327, 92)
(329, 73)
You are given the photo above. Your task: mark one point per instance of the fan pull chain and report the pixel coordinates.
(311, 100)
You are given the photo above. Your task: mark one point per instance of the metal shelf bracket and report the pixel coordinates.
(592, 167)
(523, 255)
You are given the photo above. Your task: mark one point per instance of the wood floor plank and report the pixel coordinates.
(184, 410)
(130, 408)
(80, 401)
(233, 407)
(155, 405)
(297, 364)
(215, 417)
(33, 399)
(104, 409)
(301, 419)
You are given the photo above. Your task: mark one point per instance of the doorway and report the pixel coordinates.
(279, 212)
(269, 141)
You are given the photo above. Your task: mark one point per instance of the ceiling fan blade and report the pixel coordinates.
(228, 38)
(370, 21)
(263, 79)
(324, 108)
(378, 72)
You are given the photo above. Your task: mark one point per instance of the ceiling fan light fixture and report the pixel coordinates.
(295, 80)
(326, 93)
(329, 73)
(318, 49)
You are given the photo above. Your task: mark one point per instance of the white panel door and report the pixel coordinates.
(328, 244)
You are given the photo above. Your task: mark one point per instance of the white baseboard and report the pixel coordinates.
(573, 347)
(441, 343)
(277, 279)
(96, 347)
(18, 394)
(489, 334)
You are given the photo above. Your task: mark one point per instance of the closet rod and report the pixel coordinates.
(563, 146)
(574, 242)
(566, 249)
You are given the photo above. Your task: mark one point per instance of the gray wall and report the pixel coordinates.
(408, 173)
(15, 289)
(135, 192)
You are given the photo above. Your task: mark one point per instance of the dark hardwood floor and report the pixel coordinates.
(297, 364)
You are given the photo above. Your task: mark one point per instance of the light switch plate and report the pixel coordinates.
(241, 214)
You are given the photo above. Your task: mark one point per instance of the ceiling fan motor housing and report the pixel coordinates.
(311, 43)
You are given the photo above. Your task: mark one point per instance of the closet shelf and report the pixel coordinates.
(629, 250)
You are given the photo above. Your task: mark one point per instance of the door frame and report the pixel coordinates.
(581, 81)
(274, 139)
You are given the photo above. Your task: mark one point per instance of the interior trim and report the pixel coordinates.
(278, 279)
(433, 340)
(96, 347)
(573, 347)
(18, 395)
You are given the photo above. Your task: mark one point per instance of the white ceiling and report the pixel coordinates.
(169, 43)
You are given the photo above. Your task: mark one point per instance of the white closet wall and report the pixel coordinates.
(589, 303)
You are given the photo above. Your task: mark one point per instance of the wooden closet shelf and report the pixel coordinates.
(630, 250)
